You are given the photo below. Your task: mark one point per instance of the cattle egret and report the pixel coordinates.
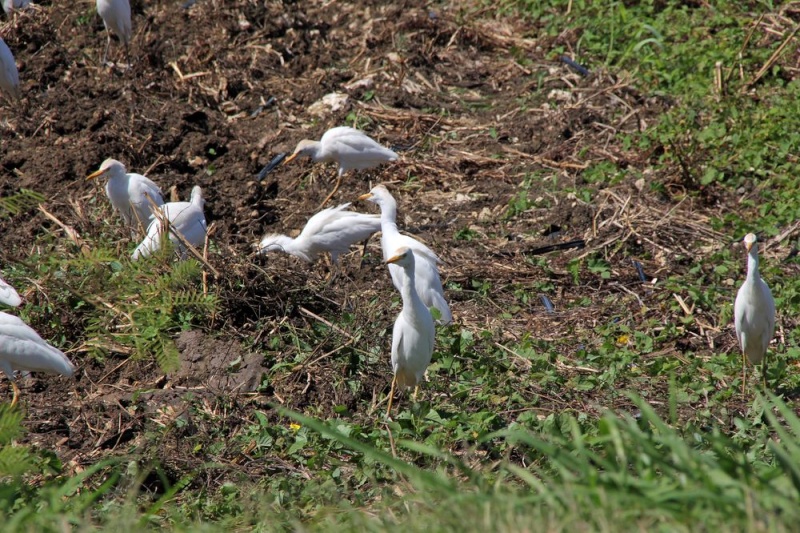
(754, 312)
(414, 332)
(428, 283)
(331, 230)
(185, 218)
(350, 148)
(11, 5)
(21, 348)
(8, 295)
(9, 75)
(116, 15)
(133, 195)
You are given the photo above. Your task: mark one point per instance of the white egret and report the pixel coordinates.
(8, 295)
(11, 5)
(9, 75)
(116, 15)
(331, 230)
(754, 312)
(21, 348)
(428, 283)
(350, 148)
(129, 193)
(185, 218)
(414, 332)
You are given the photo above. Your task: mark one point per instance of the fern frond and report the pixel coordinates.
(20, 202)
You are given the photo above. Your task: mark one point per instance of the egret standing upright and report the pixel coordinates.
(350, 148)
(428, 283)
(116, 15)
(754, 313)
(414, 332)
(133, 195)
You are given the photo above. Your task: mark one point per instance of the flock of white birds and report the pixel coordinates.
(412, 265)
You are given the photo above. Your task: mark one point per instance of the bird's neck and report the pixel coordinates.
(409, 291)
(389, 213)
(317, 153)
(752, 265)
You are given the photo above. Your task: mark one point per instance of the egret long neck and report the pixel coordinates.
(752, 264)
(389, 220)
(411, 300)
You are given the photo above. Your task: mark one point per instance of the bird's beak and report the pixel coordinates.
(94, 175)
(366, 197)
(394, 259)
(748, 246)
(291, 157)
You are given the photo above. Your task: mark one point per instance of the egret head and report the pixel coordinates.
(749, 241)
(402, 256)
(109, 168)
(306, 148)
(376, 195)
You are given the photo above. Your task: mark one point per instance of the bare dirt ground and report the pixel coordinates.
(217, 90)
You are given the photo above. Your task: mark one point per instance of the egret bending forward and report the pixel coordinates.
(414, 332)
(331, 230)
(350, 148)
(184, 218)
(754, 313)
(21, 348)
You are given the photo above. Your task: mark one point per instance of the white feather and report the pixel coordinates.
(332, 230)
(186, 218)
(21, 348)
(8, 295)
(754, 309)
(427, 281)
(9, 75)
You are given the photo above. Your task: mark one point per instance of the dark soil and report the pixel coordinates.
(219, 89)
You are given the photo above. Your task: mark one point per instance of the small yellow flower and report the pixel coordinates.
(294, 426)
(623, 339)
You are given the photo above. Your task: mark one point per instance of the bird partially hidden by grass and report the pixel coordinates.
(184, 221)
(332, 230)
(22, 349)
(754, 314)
(350, 148)
(414, 331)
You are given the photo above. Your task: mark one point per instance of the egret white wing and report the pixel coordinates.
(9, 75)
(8, 295)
